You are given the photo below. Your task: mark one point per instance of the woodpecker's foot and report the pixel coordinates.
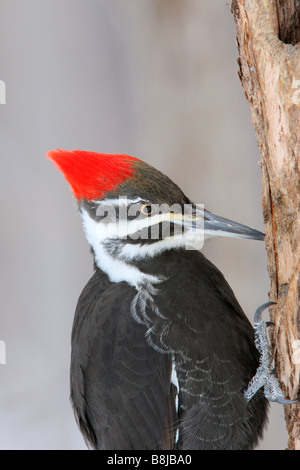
(265, 375)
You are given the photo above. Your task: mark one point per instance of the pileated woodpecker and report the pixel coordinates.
(162, 352)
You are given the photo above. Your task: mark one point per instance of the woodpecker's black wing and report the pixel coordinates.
(120, 386)
(214, 353)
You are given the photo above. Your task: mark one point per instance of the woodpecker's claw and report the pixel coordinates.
(260, 310)
(265, 376)
(283, 401)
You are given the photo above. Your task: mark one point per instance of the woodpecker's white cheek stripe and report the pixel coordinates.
(118, 201)
(138, 251)
(117, 270)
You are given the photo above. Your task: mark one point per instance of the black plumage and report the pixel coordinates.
(120, 383)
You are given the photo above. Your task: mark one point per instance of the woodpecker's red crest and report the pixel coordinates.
(98, 175)
(90, 174)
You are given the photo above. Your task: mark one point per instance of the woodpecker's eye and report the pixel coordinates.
(147, 209)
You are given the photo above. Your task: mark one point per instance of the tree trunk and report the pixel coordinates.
(268, 34)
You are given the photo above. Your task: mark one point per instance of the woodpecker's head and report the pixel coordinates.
(130, 210)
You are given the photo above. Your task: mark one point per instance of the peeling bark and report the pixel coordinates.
(268, 32)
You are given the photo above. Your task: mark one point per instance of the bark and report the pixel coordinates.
(268, 34)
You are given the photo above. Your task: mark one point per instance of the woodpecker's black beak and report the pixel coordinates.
(202, 222)
(215, 225)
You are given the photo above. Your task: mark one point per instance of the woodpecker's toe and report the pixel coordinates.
(265, 376)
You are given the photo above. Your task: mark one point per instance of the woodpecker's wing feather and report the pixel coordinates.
(215, 357)
(120, 386)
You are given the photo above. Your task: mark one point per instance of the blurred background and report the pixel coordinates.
(156, 79)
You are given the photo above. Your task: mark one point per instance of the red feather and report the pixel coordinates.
(90, 174)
